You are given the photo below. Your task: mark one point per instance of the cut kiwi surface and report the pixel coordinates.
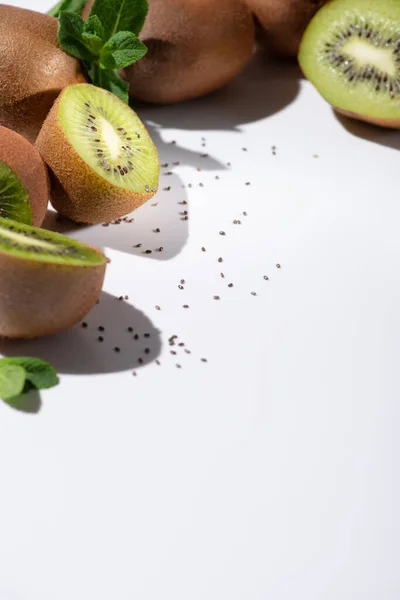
(48, 282)
(99, 151)
(14, 199)
(351, 53)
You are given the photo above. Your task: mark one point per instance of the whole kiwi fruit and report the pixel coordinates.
(194, 47)
(24, 180)
(351, 53)
(33, 69)
(48, 282)
(103, 162)
(281, 23)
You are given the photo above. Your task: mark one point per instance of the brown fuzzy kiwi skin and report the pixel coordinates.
(194, 48)
(24, 159)
(33, 69)
(38, 298)
(281, 23)
(386, 123)
(77, 191)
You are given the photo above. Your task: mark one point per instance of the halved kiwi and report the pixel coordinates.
(24, 181)
(103, 160)
(33, 69)
(351, 53)
(48, 282)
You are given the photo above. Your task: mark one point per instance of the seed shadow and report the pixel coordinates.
(264, 88)
(371, 133)
(30, 403)
(79, 352)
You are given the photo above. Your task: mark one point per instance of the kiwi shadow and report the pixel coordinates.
(265, 87)
(157, 230)
(371, 133)
(80, 351)
(30, 403)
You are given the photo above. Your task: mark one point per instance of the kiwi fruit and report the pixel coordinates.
(194, 47)
(48, 282)
(103, 162)
(281, 23)
(24, 181)
(351, 53)
(33, 69)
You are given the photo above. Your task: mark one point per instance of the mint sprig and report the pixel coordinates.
(19, 375)
(76, 6)
(107, 42)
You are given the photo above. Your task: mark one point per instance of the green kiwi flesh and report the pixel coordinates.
(14, 199)
(42, 246)
(351, 53)
(109, 136)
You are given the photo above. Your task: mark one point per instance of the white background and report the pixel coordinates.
(271, 472)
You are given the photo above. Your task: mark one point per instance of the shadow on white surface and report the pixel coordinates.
(263, 89)
(79, 351)
(371, 133)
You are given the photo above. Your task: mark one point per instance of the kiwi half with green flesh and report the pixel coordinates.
(103, 161)
(351, 53)
(282, 23)
(24, 181)
(194, 48)
(33, 69)
(48, 282)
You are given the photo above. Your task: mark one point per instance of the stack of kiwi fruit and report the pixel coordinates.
(79, 146)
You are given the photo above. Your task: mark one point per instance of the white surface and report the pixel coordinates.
(271, 472)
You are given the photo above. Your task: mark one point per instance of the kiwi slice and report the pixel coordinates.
(48, 282)
(351, 53)
(24, 181)
(103, 160)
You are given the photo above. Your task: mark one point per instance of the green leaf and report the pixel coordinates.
(75, 6)
(93, 34)
(123, 49)
(38, 372)
(109, 80)
(12, 380)
(70, 31)
(121, 15)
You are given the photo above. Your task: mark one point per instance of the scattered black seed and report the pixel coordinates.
(121, 298)
(148, 251)
(160, 249)
(167, 189)
(84, 325)
(134, 374)
(136, 336)
(181, 287)
(158, 307)
(220, 260)
(138, 246)
(140, 361)
(216, 297)
(126, 297)
(130, 329)
(101, 328)
(222, 233)
(203, 249)
(315, 156)
(228, 164)
(245, 214)
(217, 177)
(248, 183)
(254, 293)
(204, 155)
(168, 173)
(178, 366)
(222, 275)
(266, 277)
(116, 349)
(201, 184)
(278, 266)
(157, 230)
(204, 360)
(181, 344)
(187, 351)
(183, 281)
(230, 285)
(147, 350)
(244, 149)
(100, 338)
(177, 163)
(173, 142)
(158, 362)
(173, 352)
(189, 185)
(186, 306)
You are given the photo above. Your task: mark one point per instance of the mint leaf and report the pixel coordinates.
(109, 80)
(70, 36)
(12, 380)
(121, 15)
(123, 49)
(75, 6)
(93, 34)
(38, 373)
